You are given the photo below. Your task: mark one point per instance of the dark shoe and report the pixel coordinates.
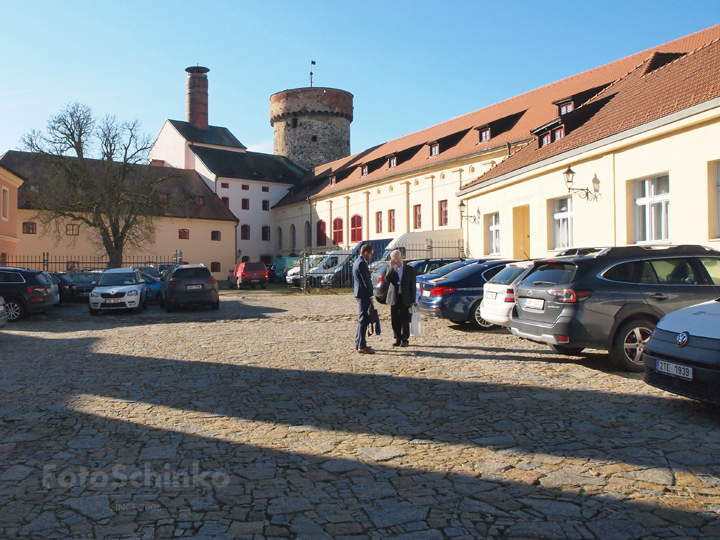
(405, 344)
(366, 350)
(396, 343)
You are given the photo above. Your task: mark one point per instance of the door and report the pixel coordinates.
(521, 232)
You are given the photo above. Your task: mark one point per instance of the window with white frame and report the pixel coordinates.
(493, 233)
(5, 204)
(562, 223)
(652, 204)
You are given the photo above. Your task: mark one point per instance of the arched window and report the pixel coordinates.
(308, 234)
(337, 231)
(245, 232)
(279, 237)
(321, 234)
(292, 237)
(356, 228)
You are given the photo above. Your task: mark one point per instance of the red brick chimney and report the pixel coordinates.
(196, 103)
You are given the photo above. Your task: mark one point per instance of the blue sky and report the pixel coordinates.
(409, 64)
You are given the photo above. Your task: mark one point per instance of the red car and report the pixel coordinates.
(248, 273)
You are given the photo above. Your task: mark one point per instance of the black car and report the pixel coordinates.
(611, 300)
(85, 283)
(66, 286)
(189, 285)
(25, 292)
(421, 267)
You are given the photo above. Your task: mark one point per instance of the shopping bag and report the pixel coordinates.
(415, 322)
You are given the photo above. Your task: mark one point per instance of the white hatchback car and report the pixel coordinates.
(499, 293)
(119, 288)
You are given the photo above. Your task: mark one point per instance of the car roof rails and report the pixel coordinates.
(692, 249)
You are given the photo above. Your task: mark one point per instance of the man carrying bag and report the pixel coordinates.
(400, 297)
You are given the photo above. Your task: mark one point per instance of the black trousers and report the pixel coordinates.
(400, 317)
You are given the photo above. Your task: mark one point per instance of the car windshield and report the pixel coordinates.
(507, 275)
(150, 270)
(84, 278)
(443, 270)
(191, 273)
(115, 279)
(551, 274)
(312, 263)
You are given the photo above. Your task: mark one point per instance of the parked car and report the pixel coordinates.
(3, 313)
(250, 274)
(118, 288)
(442, 271)
(152, 287)
(54, 288)
(612, 300)
(293, 275)
(68, 288)
(25, 292)
(330, 269)
(457, 295)
(150, 271)
(421, 267)
(84, 283)
(191, 284)
(499, 293)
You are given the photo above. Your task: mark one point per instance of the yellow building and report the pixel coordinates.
(9, 184)
(204, 229)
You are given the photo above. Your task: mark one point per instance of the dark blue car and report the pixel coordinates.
(440, 272)
(457, 295)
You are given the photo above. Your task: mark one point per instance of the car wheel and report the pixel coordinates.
(477, 321)
(215, 305)
(629, 344)
(567, 351)
(14, 309)
(94, 311)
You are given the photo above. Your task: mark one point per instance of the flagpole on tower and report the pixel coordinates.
(312, 63)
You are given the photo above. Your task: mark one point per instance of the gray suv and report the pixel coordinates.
(189, 285)
(612, 299)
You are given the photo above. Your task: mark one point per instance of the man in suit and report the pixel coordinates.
(364, 294)
(401, 277)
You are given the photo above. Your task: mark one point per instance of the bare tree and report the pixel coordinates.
(95, 172)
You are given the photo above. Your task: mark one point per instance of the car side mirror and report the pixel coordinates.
(141, 282)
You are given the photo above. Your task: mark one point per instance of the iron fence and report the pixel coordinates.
(73, 263)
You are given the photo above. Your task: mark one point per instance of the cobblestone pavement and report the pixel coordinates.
(259, 421)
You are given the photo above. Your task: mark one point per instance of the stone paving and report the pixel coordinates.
(259, 421)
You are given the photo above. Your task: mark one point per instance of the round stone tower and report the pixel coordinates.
(311, 125)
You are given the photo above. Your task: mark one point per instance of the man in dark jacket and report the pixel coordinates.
(401, 277)
(364, 294)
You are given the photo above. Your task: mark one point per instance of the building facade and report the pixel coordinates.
(10, 182)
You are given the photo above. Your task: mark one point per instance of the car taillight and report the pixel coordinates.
(510, 295)
(174, 282)
(569, 296)
(440, 291)
(267, 273)
(242, 274)
(382, 278)
(36, 289)
(211, 280)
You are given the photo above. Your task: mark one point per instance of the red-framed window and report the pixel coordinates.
(484, 134)
(266, 189)
(434, 149)
(184, 234)
(392, 162)
(266, 233)
(337, 236)
(558, 133)
(333, 179)
(215, 236)
(29, 227)
(545, 139)
(321, 234)
(245, 232)
(566, 108)
(224, 185)
(215, 267)
(364, 170)
(391, 220)
(443, 213)
(245, 187)
(226, 200)
(356, 228)
(417, 216)
(378, 222)
(246, 204)
(266, 206)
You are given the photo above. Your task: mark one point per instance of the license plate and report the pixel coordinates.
(676, 370)
(426, 293)
(534, 303)
(193, 287)
(254, 281)
(490, 295)
(113, 300)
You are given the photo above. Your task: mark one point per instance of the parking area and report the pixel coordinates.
(260, 421)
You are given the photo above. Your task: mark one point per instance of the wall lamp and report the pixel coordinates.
(583, 193)
(471, 219)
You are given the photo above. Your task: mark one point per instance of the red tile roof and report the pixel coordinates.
(659, 87)
(528, 111)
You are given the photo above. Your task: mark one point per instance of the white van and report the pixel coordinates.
(325, 270)
(439, 244)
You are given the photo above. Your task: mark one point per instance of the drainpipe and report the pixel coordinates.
(329, 224)
(346, 227)
(432, 201)
(407, 206)
(367, 214)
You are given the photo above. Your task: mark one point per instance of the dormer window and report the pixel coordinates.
(364, 170)
(484, 135)
(545, 139)
(392, 162)
(558, 133)
(565, 108)
(333, 179)
(434, 149)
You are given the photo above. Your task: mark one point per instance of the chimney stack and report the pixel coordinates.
(196, 104)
